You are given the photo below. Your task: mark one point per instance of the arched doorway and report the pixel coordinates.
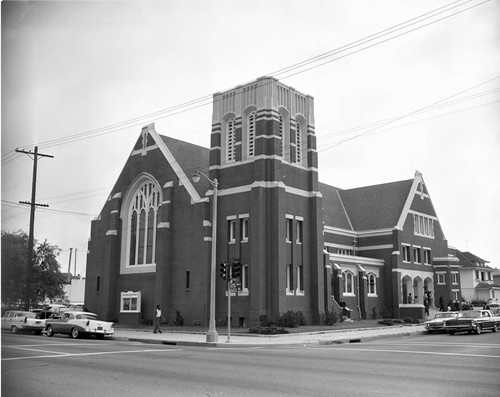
(418, 288)
(406, 289)
(429, 290)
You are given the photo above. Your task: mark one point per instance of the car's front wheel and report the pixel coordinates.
(50, 331)
(429, 331)
(75, 334)
(14, 329)
(99, 336)
(451, 332)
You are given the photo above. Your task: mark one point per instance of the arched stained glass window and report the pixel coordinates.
(143, 217)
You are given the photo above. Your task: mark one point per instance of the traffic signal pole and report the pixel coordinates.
(230, 271)
(229, 304)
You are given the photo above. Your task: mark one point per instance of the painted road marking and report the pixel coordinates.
(58, 355)
(352, 349)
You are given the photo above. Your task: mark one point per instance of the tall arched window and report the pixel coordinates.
(348, 283)
(251, 133)
(230, 140)
(143, 219)
(298, 143)
(372, 284)
(282, 135)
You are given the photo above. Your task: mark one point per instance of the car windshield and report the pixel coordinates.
(471, 314)
(87, 316)
(445, 315)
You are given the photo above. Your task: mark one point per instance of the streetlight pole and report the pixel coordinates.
(212, 335)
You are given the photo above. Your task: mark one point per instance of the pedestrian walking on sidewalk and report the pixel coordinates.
(157, 319)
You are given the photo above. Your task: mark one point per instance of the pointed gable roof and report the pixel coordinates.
(377, 206)
(190, 158)
(184, 158)
(473, 258)
(468, 260)
(334, 213)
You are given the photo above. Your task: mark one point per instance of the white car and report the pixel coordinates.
(494, 307)
(437, 323)
(17, 321)
(77, 323)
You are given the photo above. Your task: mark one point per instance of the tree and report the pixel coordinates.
(14, 259)
(47, 281)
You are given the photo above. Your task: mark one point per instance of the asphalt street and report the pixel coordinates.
(420, 364)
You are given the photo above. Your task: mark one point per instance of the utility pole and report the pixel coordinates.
(33, 205)
(75, 262)
(69, 263)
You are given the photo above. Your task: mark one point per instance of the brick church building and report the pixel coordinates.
(303, 245)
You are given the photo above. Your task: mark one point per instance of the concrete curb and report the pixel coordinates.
(335, 338)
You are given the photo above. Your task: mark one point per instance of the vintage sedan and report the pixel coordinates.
(494, 307)
(19, 321)
(437, 323)
(473, 321)
(78, 323)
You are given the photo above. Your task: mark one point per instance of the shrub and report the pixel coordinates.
(291, 319)
(271, 330)
(407, 320)
(331, 317)
(386, 322)
(265, 321)
(384, 313)
(179, 320)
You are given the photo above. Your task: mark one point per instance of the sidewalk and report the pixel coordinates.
(347, 332)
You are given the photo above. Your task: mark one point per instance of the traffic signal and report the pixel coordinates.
(223, 271)
(236, 272)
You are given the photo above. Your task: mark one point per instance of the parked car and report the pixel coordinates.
(18, 321)
(473, 321)
(53, 310)
(79, 308)
(77, 323)
(437, 323)
(494, 307)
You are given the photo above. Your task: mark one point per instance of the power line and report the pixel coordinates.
(423, 109)
(373, 125)
(207, 99)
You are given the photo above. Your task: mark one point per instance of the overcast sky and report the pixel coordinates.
(98, 69)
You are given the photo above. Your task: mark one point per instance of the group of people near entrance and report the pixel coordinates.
(427, 300)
